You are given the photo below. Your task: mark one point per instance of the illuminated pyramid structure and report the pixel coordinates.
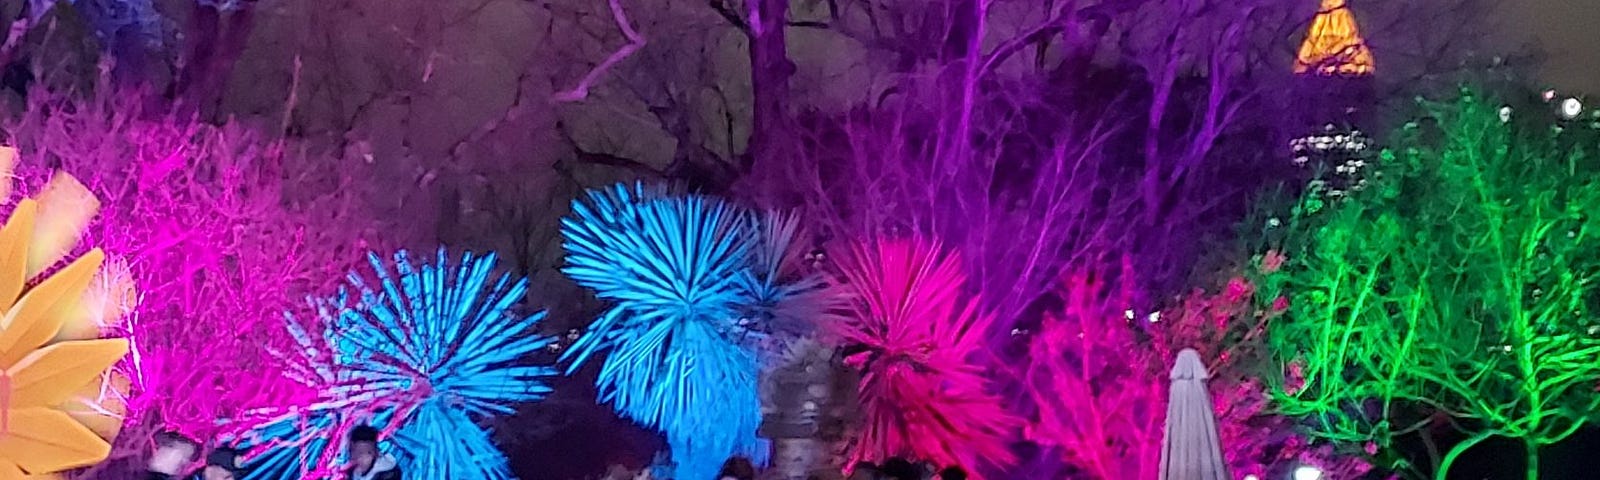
(1334, 45)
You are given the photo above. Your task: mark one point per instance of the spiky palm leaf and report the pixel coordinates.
(701, 289)
(783, 300)
(677, 361)
(435, 348)
(914, 333)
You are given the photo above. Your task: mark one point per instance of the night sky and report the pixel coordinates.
(1568, 31)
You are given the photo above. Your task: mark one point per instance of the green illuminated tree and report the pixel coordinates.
(1456, 288)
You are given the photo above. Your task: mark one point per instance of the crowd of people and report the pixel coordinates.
(740, 468)
(893, 469)
(902, 469)
(175, 453)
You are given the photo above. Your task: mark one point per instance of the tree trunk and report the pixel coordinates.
(214, 47)
(770, 150)
(1533, 458)
(795, 396)
(204, 25)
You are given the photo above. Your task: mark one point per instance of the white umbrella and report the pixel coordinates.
(1190, 449)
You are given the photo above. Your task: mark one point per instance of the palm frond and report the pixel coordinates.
(785, 299)
(433, 346)
(698, 285)
(916, 332)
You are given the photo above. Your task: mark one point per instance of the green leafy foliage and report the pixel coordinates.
(1458, 290)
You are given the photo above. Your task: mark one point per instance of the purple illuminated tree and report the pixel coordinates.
(1025, 162)
(1030, 163)
(215, 37)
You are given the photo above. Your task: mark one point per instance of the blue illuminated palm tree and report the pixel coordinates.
(697, 287)
(425, 353)
(780, 300)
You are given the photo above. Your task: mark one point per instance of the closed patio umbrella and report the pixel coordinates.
(1190, 449)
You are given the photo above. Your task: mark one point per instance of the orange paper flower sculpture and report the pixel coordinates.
(50, 377)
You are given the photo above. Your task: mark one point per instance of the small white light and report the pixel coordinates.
(1155, 317)
(1307, 473)
(1128, 313)
(1571, 108)
(1251, 477)
(1549, 95)
(1505, 114)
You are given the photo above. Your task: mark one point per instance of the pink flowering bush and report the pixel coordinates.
(1097, 377)
(221, 229)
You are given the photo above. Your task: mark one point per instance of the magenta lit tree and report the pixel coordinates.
(218, 242)
(913, 331)
(1097, 380)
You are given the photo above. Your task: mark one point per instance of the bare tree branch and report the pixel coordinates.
(13, 39)
(728, 14)
(1056, 24)
(635, 42)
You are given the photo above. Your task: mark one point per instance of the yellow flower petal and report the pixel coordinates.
(65, 209)
(41, 440)
(51, 374)
(37, 317)
(78, 324)
(100, 405)
(13, 472)
(110, 295)
(14, 252)
(10, 471)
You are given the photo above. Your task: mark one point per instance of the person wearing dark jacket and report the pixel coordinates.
(366, 462)
(953, 473)
(737, 468)
(901, 469)
(864, 471)
(172, 454)
(223, 464)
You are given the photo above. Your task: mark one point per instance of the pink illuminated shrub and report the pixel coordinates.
(1097, 377)
(913, 332)
(220, 237)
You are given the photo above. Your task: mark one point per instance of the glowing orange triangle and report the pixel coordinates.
(1334, 45)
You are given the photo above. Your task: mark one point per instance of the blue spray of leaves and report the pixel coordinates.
(698, 294)
(427, 352)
